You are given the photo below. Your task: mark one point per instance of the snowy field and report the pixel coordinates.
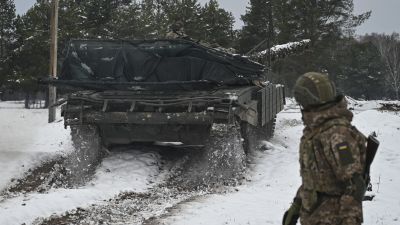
(27, 139)
(272, 179)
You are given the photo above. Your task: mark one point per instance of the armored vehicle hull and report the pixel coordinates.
(125, 117)
(165, 91)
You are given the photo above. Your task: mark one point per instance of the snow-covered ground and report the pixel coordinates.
(26, 139)
(275, 176)
(272, 183)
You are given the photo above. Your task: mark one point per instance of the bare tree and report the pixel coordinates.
(389, 49)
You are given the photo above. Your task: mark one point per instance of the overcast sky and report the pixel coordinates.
(385, 13)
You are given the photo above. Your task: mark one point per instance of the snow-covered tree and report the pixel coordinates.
(218, 24)
(7, 36)
(325, 23)
(360, 69)
(187, 12)
(125, 22)
(7, 26)
(389, 49)
(153, 21)
(72, 17)
(32, 53)
(257, 22)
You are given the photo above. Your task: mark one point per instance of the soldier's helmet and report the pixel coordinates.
(314, 89)
(177, 26)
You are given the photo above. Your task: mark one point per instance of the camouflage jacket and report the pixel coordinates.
(179, 34)
(332, 155)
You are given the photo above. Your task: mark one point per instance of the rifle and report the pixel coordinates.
(372, 148)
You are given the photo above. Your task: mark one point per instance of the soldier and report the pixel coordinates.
(332, 158)
(176, 31)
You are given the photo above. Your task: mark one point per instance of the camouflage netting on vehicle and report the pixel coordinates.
(154, 61)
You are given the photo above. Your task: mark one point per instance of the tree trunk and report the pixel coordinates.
(46, 99)
(27, 99)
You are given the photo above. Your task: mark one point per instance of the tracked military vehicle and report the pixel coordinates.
(164, 91)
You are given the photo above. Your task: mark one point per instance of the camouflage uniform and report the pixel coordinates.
(332, 164)
(176, 35)
(176, 31)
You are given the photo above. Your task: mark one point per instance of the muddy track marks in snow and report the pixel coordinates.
(192, 173)
(64, 171)
(53, 173)
(136, 207)
(131, 208)
(38, 179)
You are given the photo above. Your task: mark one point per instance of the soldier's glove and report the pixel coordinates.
(292, 214)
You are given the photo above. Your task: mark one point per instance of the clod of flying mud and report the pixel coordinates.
(197, 173)
(71, 170)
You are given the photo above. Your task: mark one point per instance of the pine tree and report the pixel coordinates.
(153, 21)
(72, 18)
(188, 12)
(32, 54)
(125, 22)
(97, 15)
(257, 22)
(218, 24)
(7, 26)
(7, 29)
(326, 23)
(360, 70)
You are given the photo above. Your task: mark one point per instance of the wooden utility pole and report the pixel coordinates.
(53, 59)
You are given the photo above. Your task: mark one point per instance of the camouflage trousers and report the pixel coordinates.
(342, 210)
